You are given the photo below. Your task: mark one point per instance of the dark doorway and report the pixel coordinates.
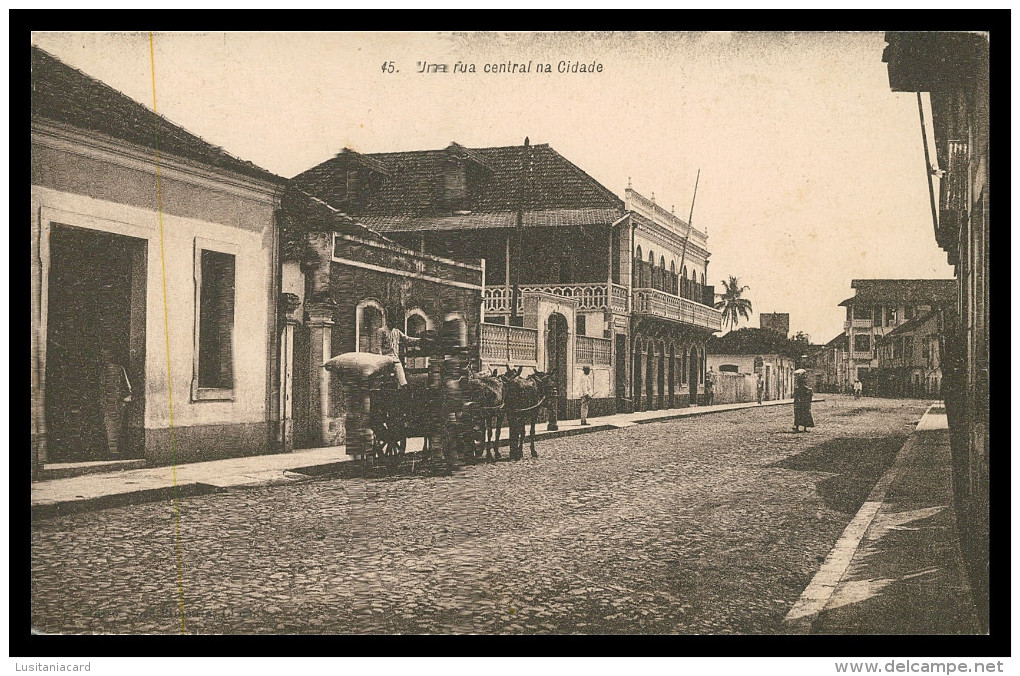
(672, 376)
(95, 346)
(621, 370)
(650, 377)
(693, 376)
(661, 377)
(638, 366)
(556, 359)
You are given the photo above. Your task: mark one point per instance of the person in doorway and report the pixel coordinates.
(388, 343)
(709, 386)
(802, 396)
(858, 389)
(116, 397)
(587, 392)
(759, 387)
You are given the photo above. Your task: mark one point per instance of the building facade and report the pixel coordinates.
(775, 321)
(341, 281)
(564, 284)
(149, 255)
(909, 363)
(879, 307)
(953, 68)
(749, 353)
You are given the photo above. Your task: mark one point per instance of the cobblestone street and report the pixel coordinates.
(711, 524)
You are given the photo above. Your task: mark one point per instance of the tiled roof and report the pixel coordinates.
(502, 219)
(67, 95)
(907, 327)
(917, 291)
(839, 341)
(495, 183)
(750, 340)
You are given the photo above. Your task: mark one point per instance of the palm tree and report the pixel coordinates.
(733, 306)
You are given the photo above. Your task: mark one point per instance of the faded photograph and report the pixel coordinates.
(509, 333)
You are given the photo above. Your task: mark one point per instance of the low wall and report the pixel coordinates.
(734, 388)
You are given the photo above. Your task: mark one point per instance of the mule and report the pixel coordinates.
(522, 399)
(487, 397)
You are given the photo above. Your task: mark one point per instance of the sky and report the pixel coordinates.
(812, 170)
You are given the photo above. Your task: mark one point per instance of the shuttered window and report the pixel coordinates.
(216, 321)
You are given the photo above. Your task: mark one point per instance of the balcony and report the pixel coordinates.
(667, 306)
(514, 345)
(612, 297)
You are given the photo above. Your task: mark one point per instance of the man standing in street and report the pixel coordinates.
(388, 342)
(759, 386)
(587, 392)
(858, 388)
(709, 386)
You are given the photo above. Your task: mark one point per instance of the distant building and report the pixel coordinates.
(881, 305)
(775, 321)
(909, 359)
(749, 352)
(832, 360)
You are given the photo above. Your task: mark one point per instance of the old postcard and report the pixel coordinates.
(510, 333)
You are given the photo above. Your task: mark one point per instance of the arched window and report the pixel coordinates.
(695, 294)
(416, 322)
(662, 274)
(638, 265)
(672, 277)
(368, 319)
(684, 289)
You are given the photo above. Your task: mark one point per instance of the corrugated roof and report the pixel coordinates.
(497, 178)
(67, 95)
(916, 291)
(503, 219)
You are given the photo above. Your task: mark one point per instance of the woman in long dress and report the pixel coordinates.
(802, 396)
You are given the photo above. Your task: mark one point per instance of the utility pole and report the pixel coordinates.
(690, 219)
(523, 178)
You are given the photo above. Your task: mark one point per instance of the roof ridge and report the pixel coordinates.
(214, 150)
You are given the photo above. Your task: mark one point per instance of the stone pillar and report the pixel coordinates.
(289, 304)
(319, 319)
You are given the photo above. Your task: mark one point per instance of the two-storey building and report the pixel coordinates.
(562, 290)
(909, 363)
(879, 306)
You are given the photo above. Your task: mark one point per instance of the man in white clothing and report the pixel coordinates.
(387, 343)
(587, 392)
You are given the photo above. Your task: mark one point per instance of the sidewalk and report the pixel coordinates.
(130, 486)
(897, 568)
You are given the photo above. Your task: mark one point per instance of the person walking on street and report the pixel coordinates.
(709, 386)
(759, 387)
(858, 388)
(587, 392)
(802, 396)
(388, 342)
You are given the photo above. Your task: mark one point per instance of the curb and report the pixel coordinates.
(813, 600)
(77, 506)
(52, 509)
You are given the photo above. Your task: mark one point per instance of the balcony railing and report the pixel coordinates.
(514, 345)
(660, 304)
(588, 296)
(594, 351)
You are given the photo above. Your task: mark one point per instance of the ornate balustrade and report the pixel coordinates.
(666, 305)
(594, 351)
(514, 345)
(588, 296)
